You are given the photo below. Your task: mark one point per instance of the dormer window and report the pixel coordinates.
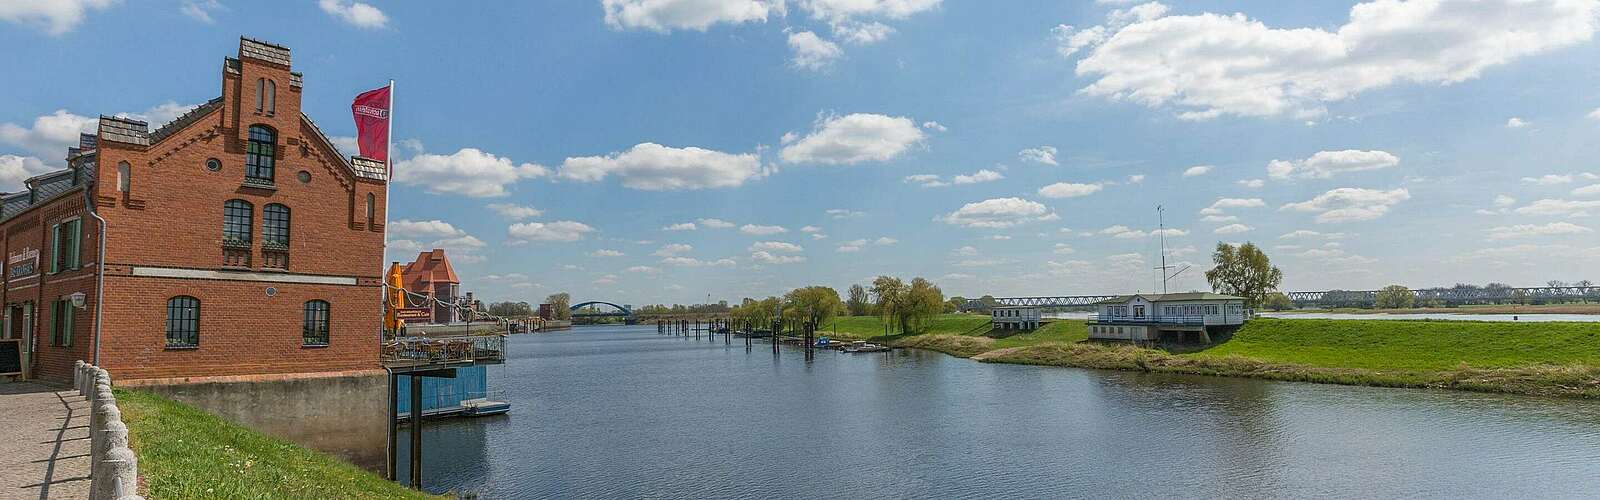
(266, 96)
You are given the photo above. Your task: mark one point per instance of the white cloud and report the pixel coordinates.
(515, 212)
(1531, 230)
(1063, 249)
(1548, 179)
(715, 223)
(811, 52)
(1350, 204)
(1135, 178)
(1042, 154)
(1252, 183)
(851, 246)
(15, 169)
(358, 14)
(53, 16)
(1594, 115)
(558, 231)
(1589, 190)
(406, 228)
(606, 279)
(1560, 207)
(935, 126)
(762, 230)
(966, 251)
(925, 180)
(1197, 170)
(885, 241)
(606, 252)
(200, 10)
(693, 262)
(999, 213)
(1504, 201)
(845, 10)
(1219, 218)
(1326, 164)
(1226, 203)
(681, 226)
(957, 277)
(840, 213)
(775, 246)
(984, 175)
(1516, 122)
(766, 257)
(653, 167)
(465, 241)
(663, 16)
(1209, 65)
(1125, 232)
(50, 135)
(673, 250)
(1233, 229)
(981, 262)
(1068, 190)
(811, 229)
(641, 270)
(854, 138)
(1306, 233)
(468, 172)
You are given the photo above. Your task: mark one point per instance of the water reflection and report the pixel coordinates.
(624, 412)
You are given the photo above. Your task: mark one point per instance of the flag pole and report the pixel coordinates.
(388, 161)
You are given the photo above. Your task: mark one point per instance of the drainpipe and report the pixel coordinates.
(100, 271)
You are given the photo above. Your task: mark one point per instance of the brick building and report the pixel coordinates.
(432, 275)
(238, 242)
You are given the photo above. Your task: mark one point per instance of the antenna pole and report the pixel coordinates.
(1161, 222)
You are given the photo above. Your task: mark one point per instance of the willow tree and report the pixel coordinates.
(858, 303)
(813, 304)
(910, 308)
(889, 295)
(1243, 271)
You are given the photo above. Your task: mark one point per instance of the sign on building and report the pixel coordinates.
(22, 263)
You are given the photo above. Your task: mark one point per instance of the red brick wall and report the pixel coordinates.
(172, 215)
(31, 230)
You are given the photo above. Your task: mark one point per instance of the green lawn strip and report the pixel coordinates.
(1413, 345)
(185, 452)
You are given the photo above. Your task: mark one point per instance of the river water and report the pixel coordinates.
(621, 412)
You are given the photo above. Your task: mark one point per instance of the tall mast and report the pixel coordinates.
(1161, 222)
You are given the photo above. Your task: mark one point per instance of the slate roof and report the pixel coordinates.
(368, 168)
(430, 267)
(125, 130)
(1170, 297)
(187, 118)
(265, 51)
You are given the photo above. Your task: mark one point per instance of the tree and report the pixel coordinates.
(923, 302)
(510, 309)
(889, 295)
(1244, 271)
(859, 304)
(955, 304)
(813, 304)
(1277, 301)
(1395, 297)
(1583, 288)
(560, 302)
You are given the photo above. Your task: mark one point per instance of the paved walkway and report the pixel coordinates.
(44, 442)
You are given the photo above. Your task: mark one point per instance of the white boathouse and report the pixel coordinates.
(1014, 317)
(1166, 317)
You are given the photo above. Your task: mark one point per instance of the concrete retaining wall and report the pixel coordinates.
(113, 467)
(339, 413)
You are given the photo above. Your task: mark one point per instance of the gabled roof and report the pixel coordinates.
(1169, 297)
(430, 267)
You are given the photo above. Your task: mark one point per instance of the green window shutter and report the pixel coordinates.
(69, 312)
(76, 238)
(55, 334)
(55, 248)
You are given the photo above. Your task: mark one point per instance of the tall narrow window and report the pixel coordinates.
(261, 94)
(183, 321)
(65, 245)
(123, 181)
(372, 208)
(272, 97)
(237, 218)
(275, 225)
(261, 154)
(316, 323)
(61, 322)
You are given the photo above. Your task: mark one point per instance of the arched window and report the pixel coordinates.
(372, 208)
(316, 323)
(261, 153)
(123, 176)
(272, 97)
(237, 218)
(275, 225)
(261, 94)
(183, 321)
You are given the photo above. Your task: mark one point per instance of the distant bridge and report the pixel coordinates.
(618, 311)
(1355, 298)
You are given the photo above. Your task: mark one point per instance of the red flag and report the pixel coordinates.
(371, 111)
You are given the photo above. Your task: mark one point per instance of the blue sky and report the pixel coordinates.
(995, 147)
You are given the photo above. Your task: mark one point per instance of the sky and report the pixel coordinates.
(662, 151)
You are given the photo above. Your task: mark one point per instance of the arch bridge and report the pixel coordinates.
(618, 311)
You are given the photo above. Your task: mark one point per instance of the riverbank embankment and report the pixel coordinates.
(185, 452)
(1545, 359)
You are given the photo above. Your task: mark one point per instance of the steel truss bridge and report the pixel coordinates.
(619, 311)
(1355, 298)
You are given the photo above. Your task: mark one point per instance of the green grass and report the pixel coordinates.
(1413, 345)
(1554, 359)
(185, 452)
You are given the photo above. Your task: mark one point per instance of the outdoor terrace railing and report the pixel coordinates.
(429, 350)
(1196, 319)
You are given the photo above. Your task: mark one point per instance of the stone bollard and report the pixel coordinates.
(119, 475)
(102, 413)
(77, 377)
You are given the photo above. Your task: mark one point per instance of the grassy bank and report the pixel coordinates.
(185, 452)
(1552, 359)
(1475, 309)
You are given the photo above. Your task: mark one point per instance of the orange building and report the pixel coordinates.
(432, 275)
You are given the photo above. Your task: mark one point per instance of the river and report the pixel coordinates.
(621, 412)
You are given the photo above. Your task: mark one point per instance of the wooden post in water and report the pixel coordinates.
(416, 433)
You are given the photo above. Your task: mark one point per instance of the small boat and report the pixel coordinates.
(482, 406)
(864, 346)
(822, 342)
